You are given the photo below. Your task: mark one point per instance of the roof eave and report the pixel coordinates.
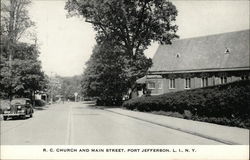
(201, 70)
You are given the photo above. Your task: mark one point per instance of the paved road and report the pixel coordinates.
(83, 124)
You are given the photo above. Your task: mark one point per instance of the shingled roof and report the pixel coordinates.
(214, 52)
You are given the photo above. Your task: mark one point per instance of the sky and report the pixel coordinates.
(66, 43)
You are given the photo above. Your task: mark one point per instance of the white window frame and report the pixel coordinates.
(151, 82)
(171, 83)
(223, 80)
(186, 84)
(204, 82)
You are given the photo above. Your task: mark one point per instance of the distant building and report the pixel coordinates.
(199, 62)
(40, 95)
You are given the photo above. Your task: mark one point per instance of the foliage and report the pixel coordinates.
(14, 18)
(129, 27)
(54, 86)
(108, 76)
(104, 76)
(70, 85)
(224, 102)
(21, 73)
(25, 76)
(130, 24)
(64, 86)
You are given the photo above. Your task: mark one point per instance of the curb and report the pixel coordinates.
(179, 129)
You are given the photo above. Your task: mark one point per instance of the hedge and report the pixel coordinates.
(228, 102)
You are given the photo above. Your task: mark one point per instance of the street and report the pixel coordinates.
(84, 124)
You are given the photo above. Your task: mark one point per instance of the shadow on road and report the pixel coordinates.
(93, 106)
(16, 119)
(41, 108)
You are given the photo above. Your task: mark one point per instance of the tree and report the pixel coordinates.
(27, 76)
(15, 19)
(130, 24)
(69, 86)
(104, 77)
(64, 87)
(14, 22)
(129, 27)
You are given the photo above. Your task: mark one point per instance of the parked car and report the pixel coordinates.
(19, 108)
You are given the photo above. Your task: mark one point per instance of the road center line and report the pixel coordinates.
(69, 127)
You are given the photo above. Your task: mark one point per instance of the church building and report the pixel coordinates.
(200, 62)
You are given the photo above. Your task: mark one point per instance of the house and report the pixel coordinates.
(41, 95)
(200, 62)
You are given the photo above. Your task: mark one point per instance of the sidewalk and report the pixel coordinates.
(224, 134)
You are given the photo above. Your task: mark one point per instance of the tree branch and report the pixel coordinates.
(139, 23)
(124, 35)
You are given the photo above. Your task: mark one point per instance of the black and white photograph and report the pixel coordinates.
(125, 79)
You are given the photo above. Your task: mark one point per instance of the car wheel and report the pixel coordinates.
(5, 118)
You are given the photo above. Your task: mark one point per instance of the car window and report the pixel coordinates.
(18, 101)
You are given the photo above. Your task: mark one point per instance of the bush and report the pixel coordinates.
(224, 104)
(108, 102)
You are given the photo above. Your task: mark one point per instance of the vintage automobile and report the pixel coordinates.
(19, 108)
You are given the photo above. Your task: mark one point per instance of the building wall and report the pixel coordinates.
(159, 86)
(196, 81)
